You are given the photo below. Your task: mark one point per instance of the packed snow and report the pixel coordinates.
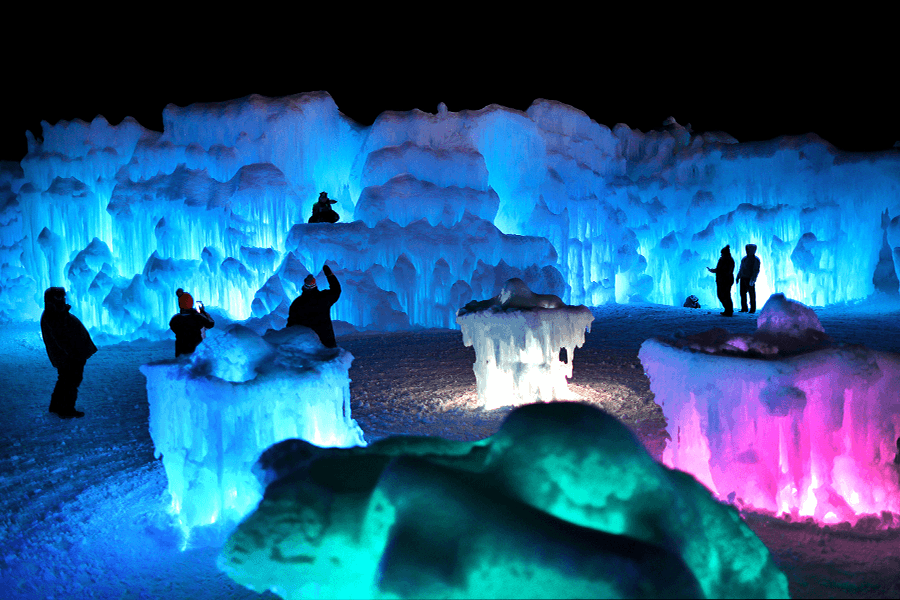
(86, 509)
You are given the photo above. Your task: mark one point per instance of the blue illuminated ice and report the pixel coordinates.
(214, 412)
(562, 502)
(217, 203)
(517, 336)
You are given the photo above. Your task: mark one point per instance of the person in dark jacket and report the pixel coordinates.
(189, 324)
(312, 308)
(69, 345)
(322, 211)
(724, 280)
(746, 277)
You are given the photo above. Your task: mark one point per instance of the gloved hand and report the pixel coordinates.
(327, 270)
(752, 283)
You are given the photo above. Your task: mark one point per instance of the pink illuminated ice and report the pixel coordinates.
(782, 420)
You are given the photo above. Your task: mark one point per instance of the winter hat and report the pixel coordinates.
(185, 301)
(309, 283)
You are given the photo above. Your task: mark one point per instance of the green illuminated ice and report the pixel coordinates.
(562, 502)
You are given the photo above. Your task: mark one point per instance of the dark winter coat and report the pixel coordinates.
(67, 341)
(724, 271)
(313, 309)
(749, 270)
(188, 326)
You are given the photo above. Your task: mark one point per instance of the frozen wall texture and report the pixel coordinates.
(436, 209)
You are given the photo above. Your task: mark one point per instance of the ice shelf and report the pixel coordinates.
(212, 414)
(808, 432)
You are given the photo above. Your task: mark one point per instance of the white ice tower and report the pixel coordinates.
(518, 336)
(781, 420)
(213, 413)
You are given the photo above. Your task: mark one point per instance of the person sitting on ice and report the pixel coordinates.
(322, 211)
(312, 308)
(189, 324)
(69, 345)
(746, 277)
(724, 280)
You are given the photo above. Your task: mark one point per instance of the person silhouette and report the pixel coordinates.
(189, 324)
(322, 211)
(746, 277)
(68, 345)
(724, 280)
(312, 308)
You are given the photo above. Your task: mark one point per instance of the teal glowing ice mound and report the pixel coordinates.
(518, 336)
(782, 420)
(562, 502)
(214, 412)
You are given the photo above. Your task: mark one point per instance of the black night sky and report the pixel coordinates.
(755, 85)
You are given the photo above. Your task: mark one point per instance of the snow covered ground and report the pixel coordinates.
(83, 502)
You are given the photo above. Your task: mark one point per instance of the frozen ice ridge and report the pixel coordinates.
(782, 420)
(562, 502)
(436, 210)
(213, 413)
(517, 336)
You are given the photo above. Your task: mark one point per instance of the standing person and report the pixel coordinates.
(312, 308)
(746, 278)
(189, 324)
(724, 280)
(69, 345)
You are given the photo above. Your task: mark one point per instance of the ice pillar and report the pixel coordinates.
(213, 414)
(517, 338)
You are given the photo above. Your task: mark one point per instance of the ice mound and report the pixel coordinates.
(562, 502)
(780, 420)
(517, 336)
(784, 316)
(784, 327)
(232, 353)
(212, 414)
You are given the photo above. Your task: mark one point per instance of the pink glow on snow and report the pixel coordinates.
(809, 435)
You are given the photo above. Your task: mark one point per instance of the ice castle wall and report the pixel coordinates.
(433, 207)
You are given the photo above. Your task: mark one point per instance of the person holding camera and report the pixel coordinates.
(312, 308)
(189, 324)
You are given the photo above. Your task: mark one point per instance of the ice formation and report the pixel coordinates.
(781, 420)
(436, 209)
(562, 502)
(517, 336)
(213, 413)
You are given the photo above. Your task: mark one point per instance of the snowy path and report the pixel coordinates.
(82, 502)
